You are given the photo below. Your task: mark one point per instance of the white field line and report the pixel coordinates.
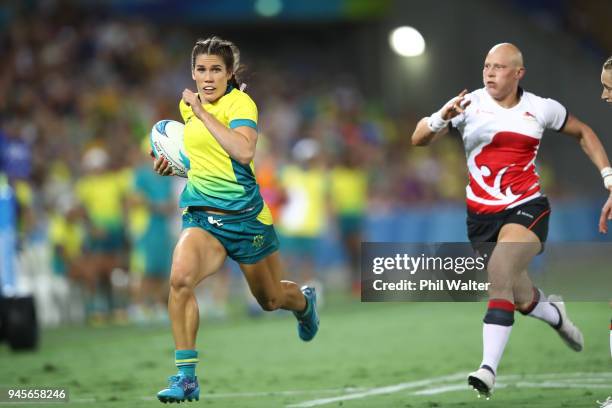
(552, 384)
(563, 380)
(443, 389)
(559, 380)
(589, 380)
(390, 389)
(547, 384)
(603, 374)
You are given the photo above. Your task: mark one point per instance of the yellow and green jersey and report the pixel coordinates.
(214, 178)
(349, 190)
(102, 196)
(305, 214)
(66, 234)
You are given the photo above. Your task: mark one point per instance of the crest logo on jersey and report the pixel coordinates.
(529, 116)
(503, 171)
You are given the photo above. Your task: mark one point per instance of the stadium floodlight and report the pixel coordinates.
(407, 41)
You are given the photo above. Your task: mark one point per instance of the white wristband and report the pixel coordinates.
(436, 123)
(606, 174)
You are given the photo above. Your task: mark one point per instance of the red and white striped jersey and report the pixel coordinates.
(501, 147)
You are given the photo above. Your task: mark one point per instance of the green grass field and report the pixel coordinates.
(366, 355)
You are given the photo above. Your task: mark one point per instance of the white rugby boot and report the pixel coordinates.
(567, 330)
(483, 381)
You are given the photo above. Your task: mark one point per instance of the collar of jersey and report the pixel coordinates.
(229, 89)
(520, 92)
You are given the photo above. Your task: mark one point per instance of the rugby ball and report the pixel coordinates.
(167, 140)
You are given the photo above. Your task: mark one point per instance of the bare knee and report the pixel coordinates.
(182, 277)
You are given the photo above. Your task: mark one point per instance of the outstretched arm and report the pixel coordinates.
(588, 141)
(423, 135)
(436, 125)
(595, 151)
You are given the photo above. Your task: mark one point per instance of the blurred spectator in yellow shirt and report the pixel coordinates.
(349, 198)
(101, 193)
(303, 218)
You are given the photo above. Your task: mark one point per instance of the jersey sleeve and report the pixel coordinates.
(185, 110)
(242, 112)
(554, 115)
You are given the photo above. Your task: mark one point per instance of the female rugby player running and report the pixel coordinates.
(502, 125)
(225, 215)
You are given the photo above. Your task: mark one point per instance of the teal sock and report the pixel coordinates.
(186, 361)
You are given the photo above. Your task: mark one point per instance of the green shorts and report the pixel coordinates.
(350, 224)
(244, 237)
(112, 241)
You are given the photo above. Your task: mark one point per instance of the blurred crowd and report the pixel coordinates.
(79, 93)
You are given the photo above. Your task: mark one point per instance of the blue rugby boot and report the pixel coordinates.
(308, 320)
(180, 388)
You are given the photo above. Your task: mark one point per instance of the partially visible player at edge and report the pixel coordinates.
(501, 126)
(606, 95)
(225, 215)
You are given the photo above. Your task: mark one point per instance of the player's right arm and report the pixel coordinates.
(436, 125)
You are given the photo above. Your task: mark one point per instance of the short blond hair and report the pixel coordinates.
(608, 64)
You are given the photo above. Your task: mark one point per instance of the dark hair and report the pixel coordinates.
(225, 49)
(608, 64)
